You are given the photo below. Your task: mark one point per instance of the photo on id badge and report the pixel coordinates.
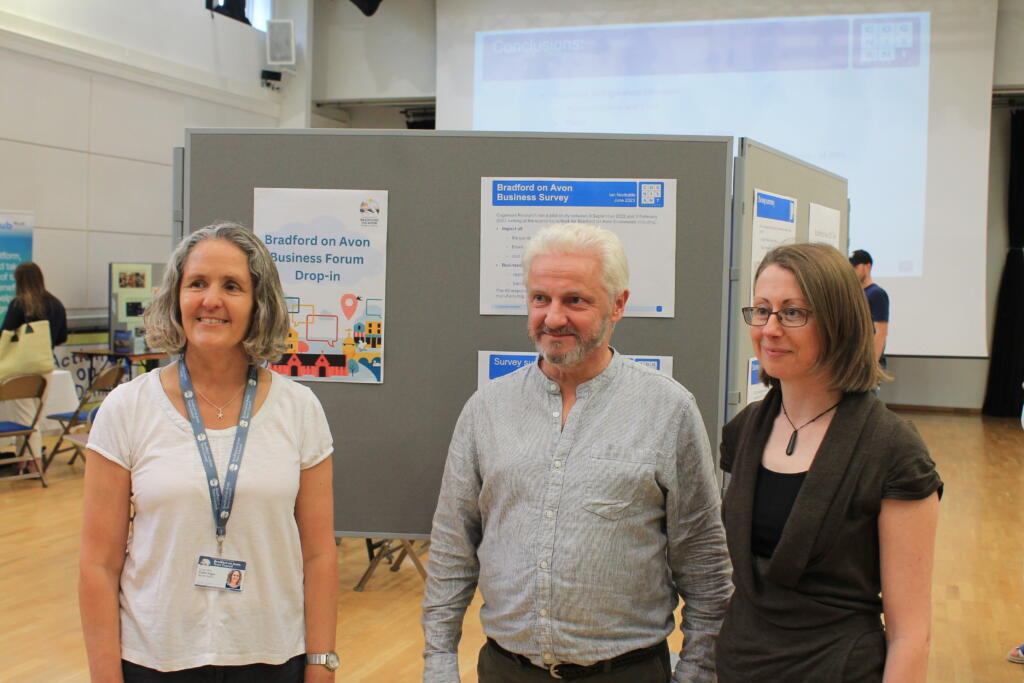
(214, 572)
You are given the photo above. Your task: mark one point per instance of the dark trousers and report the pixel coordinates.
(495, 667)
(292, 671)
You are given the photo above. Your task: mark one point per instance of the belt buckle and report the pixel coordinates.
(553, 670)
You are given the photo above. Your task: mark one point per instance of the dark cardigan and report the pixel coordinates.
(812, 612)
(55, 314)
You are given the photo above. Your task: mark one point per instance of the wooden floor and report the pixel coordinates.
(978, 586)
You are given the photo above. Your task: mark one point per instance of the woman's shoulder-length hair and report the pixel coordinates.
(30, 290)
(840, 309)
(265, 340)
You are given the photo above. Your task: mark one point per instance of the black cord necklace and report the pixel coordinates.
(791, 446)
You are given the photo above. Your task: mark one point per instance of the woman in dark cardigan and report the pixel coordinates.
(832, 499)
(32, 302)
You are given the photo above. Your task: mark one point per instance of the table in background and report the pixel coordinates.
(147, 360)
(61, 397)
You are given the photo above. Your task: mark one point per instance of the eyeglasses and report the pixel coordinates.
(791, 316)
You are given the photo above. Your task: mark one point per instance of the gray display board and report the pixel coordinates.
(391, 439)
(763, 168)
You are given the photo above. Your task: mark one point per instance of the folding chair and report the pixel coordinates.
(103, 383)
(79, 440)
(23, 386)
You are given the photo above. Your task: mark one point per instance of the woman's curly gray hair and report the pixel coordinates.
(265, 340)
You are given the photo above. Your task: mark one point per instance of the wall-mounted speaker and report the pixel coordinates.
(368, 7)
(280, 42)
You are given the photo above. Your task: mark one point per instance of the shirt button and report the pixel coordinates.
(543, 612)
(555, 414)
(548, 657)
(552, 387)
(558, 463)
(549, 514)
(543, 564)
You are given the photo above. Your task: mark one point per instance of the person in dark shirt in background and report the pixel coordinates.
(878, 301)
(32, 303)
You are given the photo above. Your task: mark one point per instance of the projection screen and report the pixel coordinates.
(893, 96)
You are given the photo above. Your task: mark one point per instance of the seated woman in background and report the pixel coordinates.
(31, 303)
(169, 597)
(833, 499)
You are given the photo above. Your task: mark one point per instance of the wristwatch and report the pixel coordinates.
(328, 660)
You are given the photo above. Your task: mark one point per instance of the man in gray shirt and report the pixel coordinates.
(580, 496)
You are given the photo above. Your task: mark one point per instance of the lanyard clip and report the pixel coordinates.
(220, 544)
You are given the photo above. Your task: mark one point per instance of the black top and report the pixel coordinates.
(878, 302)
(774, 495)
(55, 314)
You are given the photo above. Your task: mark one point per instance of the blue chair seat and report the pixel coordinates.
(7, 426)
(70, 415)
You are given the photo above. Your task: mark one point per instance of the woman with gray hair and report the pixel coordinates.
(227, 467)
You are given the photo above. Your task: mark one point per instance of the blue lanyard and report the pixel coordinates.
(221, 500)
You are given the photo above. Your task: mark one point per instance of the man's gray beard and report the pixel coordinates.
(580, 350)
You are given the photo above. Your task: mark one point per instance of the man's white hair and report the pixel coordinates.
(583, 239)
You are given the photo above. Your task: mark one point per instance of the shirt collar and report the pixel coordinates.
(594, 384)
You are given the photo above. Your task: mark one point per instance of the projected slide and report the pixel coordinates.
(848, 93)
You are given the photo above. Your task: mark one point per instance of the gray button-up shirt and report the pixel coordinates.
(580, 538)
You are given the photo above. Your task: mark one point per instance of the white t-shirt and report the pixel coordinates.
(166, 622)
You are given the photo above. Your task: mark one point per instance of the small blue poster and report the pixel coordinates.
(15, 248)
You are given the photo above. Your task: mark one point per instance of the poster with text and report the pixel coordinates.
(642, 212)
(494, 364)
(15, 248)
(774, 225)
(330, 249)
(823, 225)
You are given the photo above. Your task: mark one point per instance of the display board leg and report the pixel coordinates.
(384, 549)
(409, 550)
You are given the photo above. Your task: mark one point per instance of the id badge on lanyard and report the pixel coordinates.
(218, 572)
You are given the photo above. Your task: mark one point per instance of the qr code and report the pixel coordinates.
(652, 194)
(884, 41)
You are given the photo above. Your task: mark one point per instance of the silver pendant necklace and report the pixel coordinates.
(220, 409)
